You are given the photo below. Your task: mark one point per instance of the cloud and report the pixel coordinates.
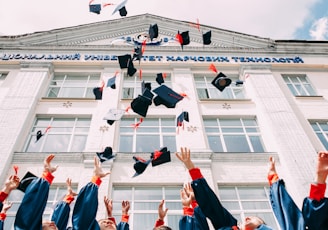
(319, 29)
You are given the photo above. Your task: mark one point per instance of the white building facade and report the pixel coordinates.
(280, 110)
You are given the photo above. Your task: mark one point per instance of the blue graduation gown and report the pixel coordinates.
(314, 214)
(196, 222)
(29, 214)
(61, 214)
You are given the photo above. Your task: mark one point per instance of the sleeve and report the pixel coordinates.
(284, 208)
(200, 219)
(1, 224)
(123, 226)
(85, 209)
(36, 196)
(209, 203)
(315, 208)
(61, 214)
(159, 223)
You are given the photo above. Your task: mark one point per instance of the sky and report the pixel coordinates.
(274, 19)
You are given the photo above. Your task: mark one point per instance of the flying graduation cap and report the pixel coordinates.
(126, 62)
(184, 116)
(220, 81)
(106, 155)
(153, 31)
(183, 38)
(112, 82)
(140, 165)
(160, 157)
(166, 96)
(113, 115)
(141, 104)
(160, 78)
(26, 181)
(121, 8)
(207, 37)
(39, 133)
(94, 8)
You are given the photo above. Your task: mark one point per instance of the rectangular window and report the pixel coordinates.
(56, 194)
(150, 135)
(206, 90)
(298, 85)
(243, 201)
(73, 85)
(233, 135)
(62, 135)
(132, 85)
(144, 203)
(321, 129)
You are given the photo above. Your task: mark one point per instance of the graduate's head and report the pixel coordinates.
(163, 227)
(49, 225)
(106, 224)
(251, 223)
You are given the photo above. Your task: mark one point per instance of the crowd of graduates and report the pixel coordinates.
(199, 203)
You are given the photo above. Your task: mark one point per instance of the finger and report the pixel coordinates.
(166, 211)
(178, 156)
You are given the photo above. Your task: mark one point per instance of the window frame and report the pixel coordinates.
(301, 87)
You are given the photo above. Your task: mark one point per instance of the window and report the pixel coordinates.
(233, 135)
(152, 134)
(144, 203)
(206, 90)
(321, 129)
(132, 85)
(298, 85)
(56, 194)
(63, 135)
(73, 85)
(243, 201)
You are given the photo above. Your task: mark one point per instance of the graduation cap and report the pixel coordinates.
(160, 157)
(141, 104)
(183, 38)
(145, 85)
(97, 91)
(113, 115)
(166, 96)
(111, 82)
(26, 180)
(184, 116)
(125, 61)
(221, 81)
(95, 8)
(153, 31)
(160, 78)
(140, 165)
(106, 155)
(239, 82)
(207, 38)
(39, 133)
(121, 8)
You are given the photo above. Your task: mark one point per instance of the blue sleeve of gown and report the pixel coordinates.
(85, 209)
(211, 206)
(315, 213)
(196, 222)
(61, 214)
(284, 208)
(123, 226)
(35, 198)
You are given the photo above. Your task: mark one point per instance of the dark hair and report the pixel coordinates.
(163, 227)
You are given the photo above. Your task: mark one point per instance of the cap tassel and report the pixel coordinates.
(15, 169)
(140, 74)
(108, 4)
(157, 154)
(196, 25)
(175, 96)
(136, 125)
(213, 68)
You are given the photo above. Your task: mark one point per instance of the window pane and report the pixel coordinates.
(142, 221)
(236, 143)
(231, 205)
(145, 205)
(173, 221)
(121, 193)
(256, 143)
(202, 93)
(34, 146)
(255, 205)
(170, 143)
(172, 205)
(230, 122)
(227, 193)
(147, 143)
(78, 143)
(58, 143)
(249, 193)
(172, 193)
(215, 143)
(126, 143)
(148, 194)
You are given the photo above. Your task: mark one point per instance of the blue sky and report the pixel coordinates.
(275, 19)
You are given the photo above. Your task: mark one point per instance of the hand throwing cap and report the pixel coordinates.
(160, 157)
(26, 181)
(106, 155)
(221, 81)
(166, 96)
(113, 115)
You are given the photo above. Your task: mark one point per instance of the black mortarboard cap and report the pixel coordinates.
(38, 135)
(137, 54)
(141, 104)
(145, 85)
(113, 115)
(166, 96)
(124, 60)
(121, 8)
(184, 116)
(221, 81)
(112, 82)
(239, 82)
(207, 37)
(153, 31)
(160, 78)
(185, 38)
(98, 92)
(95, 8)
(106, 155)
(26, 180)
(160, 157)
(140, 165)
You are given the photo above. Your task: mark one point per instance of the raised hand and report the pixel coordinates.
(69, 187)
(47, 166)
(98, 171)
(161, 211)
(109, 206)
(125, 207)
(184, 157)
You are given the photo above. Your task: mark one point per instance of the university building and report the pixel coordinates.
(276, 105)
